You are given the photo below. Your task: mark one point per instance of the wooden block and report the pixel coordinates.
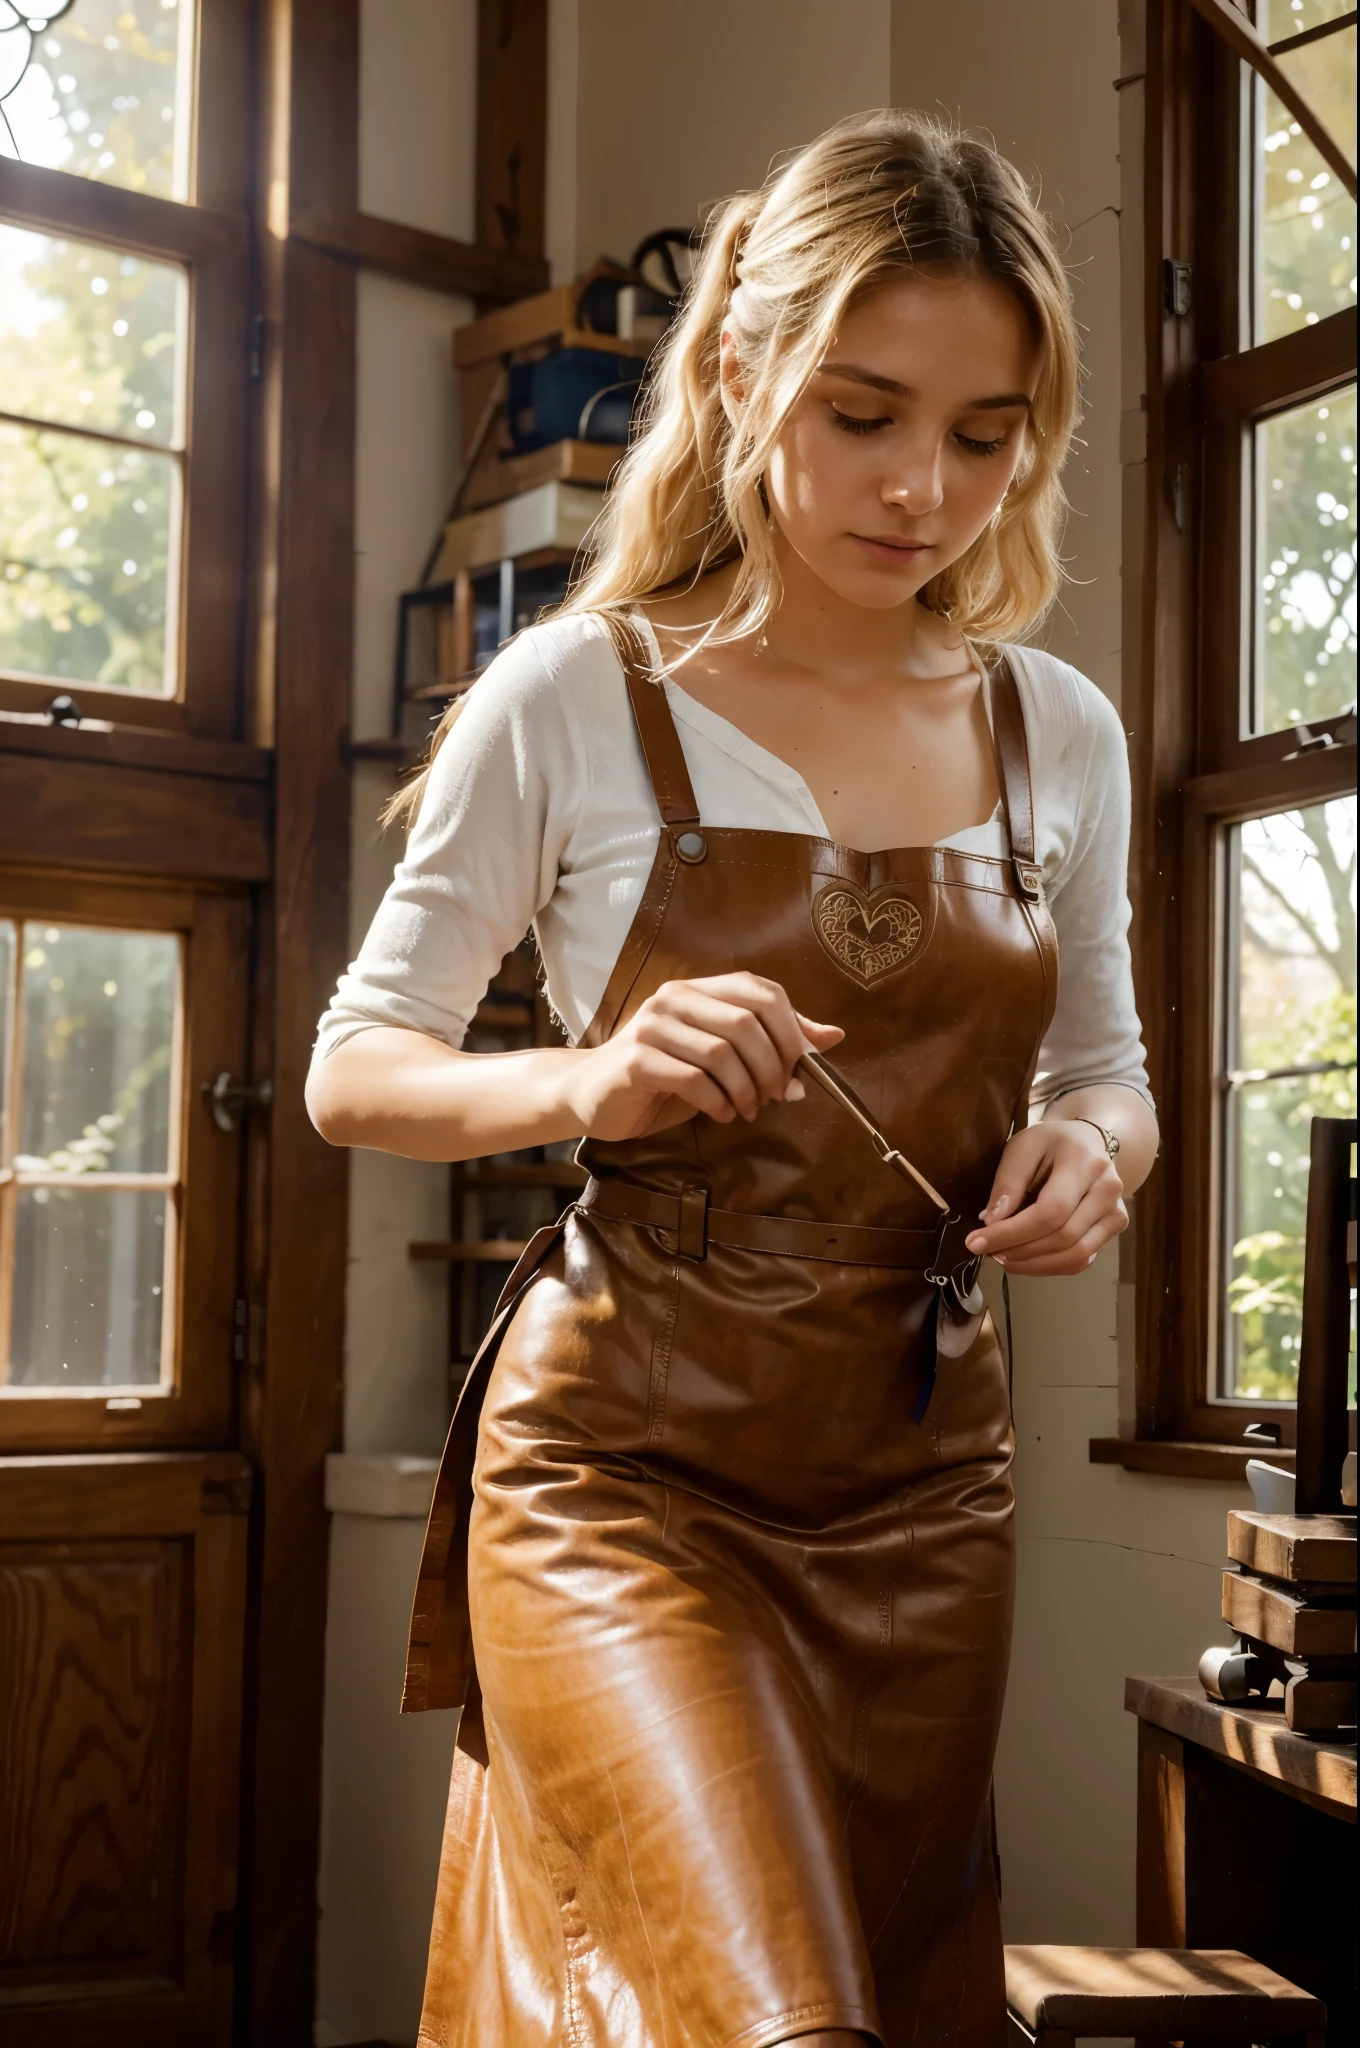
(1287, 1620)
(497, 478)
(547, 316)
(1313, 1549)
(1319, 1706)
(1103, 1992)
(556, 516)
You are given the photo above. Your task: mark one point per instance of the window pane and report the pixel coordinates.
(99, 1022)
(1305, 254)
(1277, 19)
(1305, 597)
(91, 337)
(1295, 922)
(88, 540)
(106, 93)
(88, 1280)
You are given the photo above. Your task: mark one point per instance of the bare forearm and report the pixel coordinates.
(1123, 1111)
(392, 1090)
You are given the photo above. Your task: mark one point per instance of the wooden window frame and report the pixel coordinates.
(208, 236)
(197, 1405)
(1195, 775)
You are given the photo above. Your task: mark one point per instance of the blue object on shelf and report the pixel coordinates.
(608, 416)
(545, 399)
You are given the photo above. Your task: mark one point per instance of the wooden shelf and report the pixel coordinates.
(591, 463)
(387, 752)
(494, 1016)
(1186, 1460)
(474, 1251)
(1254, 1738)
(547, 316)
(539, 525)
(546, 1173)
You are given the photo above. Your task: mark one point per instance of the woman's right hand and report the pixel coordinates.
(719, 1047)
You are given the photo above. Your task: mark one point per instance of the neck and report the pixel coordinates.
(814, 628)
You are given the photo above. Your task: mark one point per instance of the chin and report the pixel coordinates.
(877, 590)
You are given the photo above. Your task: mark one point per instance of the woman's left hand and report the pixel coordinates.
(1056, 1200)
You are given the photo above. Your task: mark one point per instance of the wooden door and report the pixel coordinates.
(122, 1589)
(123, 1546)
(134, 847)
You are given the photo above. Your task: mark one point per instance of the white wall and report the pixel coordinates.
(1119, 1572)
(679, 106)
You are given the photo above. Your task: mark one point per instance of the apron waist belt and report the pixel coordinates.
(696, 1226)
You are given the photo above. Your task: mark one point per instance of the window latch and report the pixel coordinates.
(1318, 739)
(229, 1100)
(1175, 288)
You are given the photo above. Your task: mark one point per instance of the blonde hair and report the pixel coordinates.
(878, 196)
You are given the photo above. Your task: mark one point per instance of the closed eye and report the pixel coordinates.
(981, 447)
(853, 424)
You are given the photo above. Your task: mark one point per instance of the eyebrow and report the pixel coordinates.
(856, 375)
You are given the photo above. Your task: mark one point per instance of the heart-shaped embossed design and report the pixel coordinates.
(868, 937)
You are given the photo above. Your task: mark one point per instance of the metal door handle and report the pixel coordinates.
(229, 1100)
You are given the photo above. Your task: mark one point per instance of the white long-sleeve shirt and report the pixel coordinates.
(539, 813)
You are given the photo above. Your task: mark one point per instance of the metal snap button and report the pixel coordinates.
(692, 847)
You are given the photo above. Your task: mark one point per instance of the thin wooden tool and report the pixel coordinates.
(840, 1091)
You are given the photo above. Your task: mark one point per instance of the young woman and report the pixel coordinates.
(728, 1589)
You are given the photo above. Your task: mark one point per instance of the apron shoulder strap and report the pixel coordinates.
(1012, 770)
(661, 748)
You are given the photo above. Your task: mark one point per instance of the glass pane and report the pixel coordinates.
(1277, 19)
(88, 539)
(91, 337)
(1269, 1141)
(1295, 1008)
(1305, 597)
(8, 940)
(99, 1022)
(1305, 255)
(88, 1278)
(105, 92)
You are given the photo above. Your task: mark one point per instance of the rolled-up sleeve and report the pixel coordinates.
(1095, 1037)
(479, 866)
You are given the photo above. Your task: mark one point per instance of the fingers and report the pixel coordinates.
(1095, 1208)
(748, 1074)
(1059, 1173)
(659, 1073)
(741, 1029)
(1055, 1201)
(1038, 1264)
(1024, 1160)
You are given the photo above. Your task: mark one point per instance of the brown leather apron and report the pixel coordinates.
(738, 1577)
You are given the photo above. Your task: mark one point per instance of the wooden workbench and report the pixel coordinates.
(1246, 1839)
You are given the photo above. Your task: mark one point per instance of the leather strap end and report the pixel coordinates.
(692, 1236)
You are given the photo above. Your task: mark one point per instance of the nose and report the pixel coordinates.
(915, 484)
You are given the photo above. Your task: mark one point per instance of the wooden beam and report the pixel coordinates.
(100, 808)
(1238, 33)
(512, 124)
(441, 264)
(297, 1186)
(1291, 369)
(53, 202)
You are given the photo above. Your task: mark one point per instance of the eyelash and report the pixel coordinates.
(850, 424)
(853, 425)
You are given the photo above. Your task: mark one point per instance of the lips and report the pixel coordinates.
(891, 549)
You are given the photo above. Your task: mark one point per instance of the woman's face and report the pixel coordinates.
(907, 437)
